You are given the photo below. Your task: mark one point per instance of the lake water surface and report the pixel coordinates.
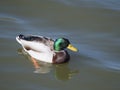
(93, 26)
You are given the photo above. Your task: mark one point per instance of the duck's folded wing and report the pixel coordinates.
(36, 43)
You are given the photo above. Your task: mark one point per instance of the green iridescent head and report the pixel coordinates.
(62, 43)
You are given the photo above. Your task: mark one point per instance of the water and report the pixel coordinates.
(91, 25)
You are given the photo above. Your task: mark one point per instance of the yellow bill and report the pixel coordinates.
(71, 47)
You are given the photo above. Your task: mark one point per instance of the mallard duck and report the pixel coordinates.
(46, 49)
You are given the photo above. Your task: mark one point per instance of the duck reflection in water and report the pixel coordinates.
(61, 71)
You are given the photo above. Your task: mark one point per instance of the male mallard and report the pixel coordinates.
(46, 49)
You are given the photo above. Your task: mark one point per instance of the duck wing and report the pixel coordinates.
(36, 43)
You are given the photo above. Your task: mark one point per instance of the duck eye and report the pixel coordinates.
(60, 44)
(63, 45)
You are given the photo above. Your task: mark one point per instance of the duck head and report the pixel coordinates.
(62, 43)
